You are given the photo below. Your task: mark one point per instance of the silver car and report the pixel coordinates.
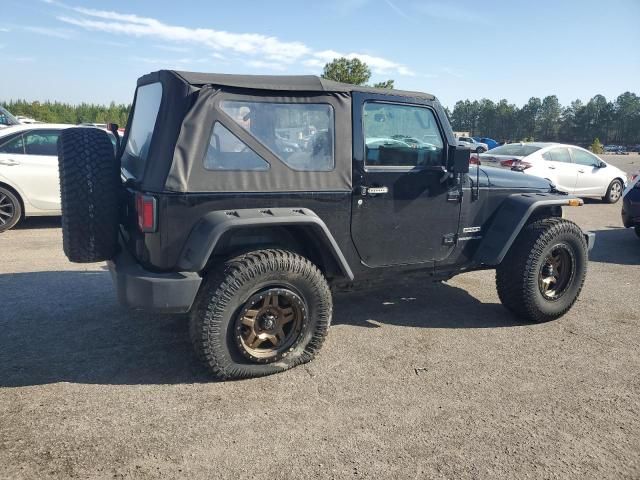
(472, 144)
(571, 169)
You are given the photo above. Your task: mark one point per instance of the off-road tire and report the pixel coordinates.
(517, 275)
(223, 295)
(9, 205)
(89, 190)
(614, 192)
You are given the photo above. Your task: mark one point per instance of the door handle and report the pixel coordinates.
(9, 162)
(580, 171)
(374, 190)
(552, 167)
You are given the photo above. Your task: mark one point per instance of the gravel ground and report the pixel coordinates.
(415, 381)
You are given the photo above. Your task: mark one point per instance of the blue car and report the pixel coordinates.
(491, 143)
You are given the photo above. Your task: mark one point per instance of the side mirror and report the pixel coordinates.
(459, 158)
(601, 165)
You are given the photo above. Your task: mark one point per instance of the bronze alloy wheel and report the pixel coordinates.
(556, 272)
(269, 325)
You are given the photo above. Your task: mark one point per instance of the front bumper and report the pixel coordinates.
(141, 289)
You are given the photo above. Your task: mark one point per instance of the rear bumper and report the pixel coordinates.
(631, 208)
(159, 292)
(590, 237)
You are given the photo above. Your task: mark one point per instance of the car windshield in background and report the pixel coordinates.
(146, 110)
(515, 149)
(6, 119)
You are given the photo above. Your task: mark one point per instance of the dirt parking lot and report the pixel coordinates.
(416, 381)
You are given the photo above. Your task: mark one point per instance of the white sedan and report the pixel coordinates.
(29, 184)
(571, 169)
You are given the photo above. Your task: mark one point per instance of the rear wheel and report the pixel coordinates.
(261, 313)
(614, 192)
(89, 191)
(541, 276)
(10, 209)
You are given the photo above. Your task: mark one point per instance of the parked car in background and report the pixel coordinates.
(571, 169)
(489, 142)
(631, 205)
(26, 120)
(469, 142)
(29, 184)
(6, 119)
(615, 150)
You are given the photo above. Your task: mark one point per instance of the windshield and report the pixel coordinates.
(515, 149)
(6, 119)
(140, 132)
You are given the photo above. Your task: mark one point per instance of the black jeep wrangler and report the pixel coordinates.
(244, 200)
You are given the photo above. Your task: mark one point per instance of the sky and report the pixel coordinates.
(93, 51)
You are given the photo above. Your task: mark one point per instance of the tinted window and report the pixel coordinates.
(584, 158)
(228, 152)
(401, 135)
(557, 155)
(301, 134)
(41, 142)
(13, 145)
(145, 114)
(515, 149)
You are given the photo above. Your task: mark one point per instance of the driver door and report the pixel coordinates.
(405, 207)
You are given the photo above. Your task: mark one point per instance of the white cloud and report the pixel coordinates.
(267, 65)
(173, 48)
(50, 32)
(378, 65)
(4, 30)
(258, 50)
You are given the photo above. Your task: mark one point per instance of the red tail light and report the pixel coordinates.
(516, 164)
(474, 159)
(146, 209)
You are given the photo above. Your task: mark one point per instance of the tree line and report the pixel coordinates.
(612, 122)
(58, 112)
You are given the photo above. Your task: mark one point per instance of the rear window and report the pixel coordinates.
(299, 134)
(145, 114)
(515, 149)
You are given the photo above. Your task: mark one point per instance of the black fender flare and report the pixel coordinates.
(209, 230)
(510, 218)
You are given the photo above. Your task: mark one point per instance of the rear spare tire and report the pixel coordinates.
(89, 190)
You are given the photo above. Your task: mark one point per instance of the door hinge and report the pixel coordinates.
(449, 239)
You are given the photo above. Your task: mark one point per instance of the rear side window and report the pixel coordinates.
(557, 155)
(15, 145)
(228, 152)
(41, 143)
(140, 132)
(299, 134)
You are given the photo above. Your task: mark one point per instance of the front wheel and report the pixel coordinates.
(614, 192)
(541, 276)
(261, 313)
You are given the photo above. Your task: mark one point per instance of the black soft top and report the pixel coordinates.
(288, 83)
